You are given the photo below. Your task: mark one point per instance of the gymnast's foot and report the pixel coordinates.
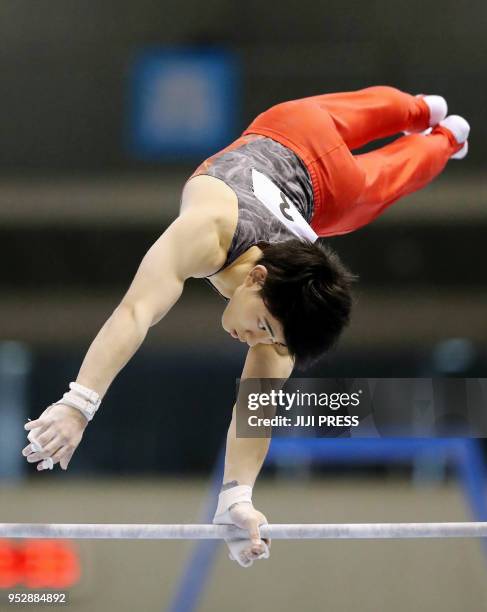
(438, 110)
(460, 129)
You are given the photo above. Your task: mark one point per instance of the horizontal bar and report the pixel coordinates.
(217, 532)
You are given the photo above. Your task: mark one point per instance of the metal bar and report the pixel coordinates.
(212, 532)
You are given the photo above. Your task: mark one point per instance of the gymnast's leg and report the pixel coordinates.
(376, 112)
(408, 164)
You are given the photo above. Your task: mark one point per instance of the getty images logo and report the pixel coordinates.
(302, 399)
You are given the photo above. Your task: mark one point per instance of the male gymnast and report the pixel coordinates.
(249, 221)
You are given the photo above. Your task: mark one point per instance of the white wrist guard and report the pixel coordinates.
(227, 499)
(83, 399)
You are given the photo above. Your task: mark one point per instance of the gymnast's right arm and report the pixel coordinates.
(190, 247)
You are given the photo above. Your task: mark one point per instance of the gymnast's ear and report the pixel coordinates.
(256, 276)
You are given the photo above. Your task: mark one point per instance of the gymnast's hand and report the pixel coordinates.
(235, 508)
(55, 434)
(245, 516)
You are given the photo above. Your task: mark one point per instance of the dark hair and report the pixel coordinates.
(308, 290)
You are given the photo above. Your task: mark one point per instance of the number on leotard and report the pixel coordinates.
(284, 207)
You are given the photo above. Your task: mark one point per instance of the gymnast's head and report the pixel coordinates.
(298, 294)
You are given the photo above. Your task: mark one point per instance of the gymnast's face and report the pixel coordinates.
(246, 317)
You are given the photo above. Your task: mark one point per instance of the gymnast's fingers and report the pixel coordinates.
(35, 457)
(61, 453)
(47, 437)
(50, 449)
(257, 546)
(65, 460)
(28, 450)
(42, 423)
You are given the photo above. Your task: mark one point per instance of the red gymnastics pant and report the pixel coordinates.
(352, 190)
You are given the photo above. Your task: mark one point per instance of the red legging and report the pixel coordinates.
(352, 190)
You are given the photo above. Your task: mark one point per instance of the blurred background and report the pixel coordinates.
(106, 109)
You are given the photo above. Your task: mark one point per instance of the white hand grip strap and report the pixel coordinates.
(74, 401)
(237, 546)
(227, 499)
(88, 394)
(83, 399)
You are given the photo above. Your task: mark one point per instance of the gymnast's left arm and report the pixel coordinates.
(243, 460)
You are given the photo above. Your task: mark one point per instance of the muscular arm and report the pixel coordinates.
(245, 456)
(189, 247)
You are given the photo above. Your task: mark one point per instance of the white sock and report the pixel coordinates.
(438, 109)
(460, 129)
